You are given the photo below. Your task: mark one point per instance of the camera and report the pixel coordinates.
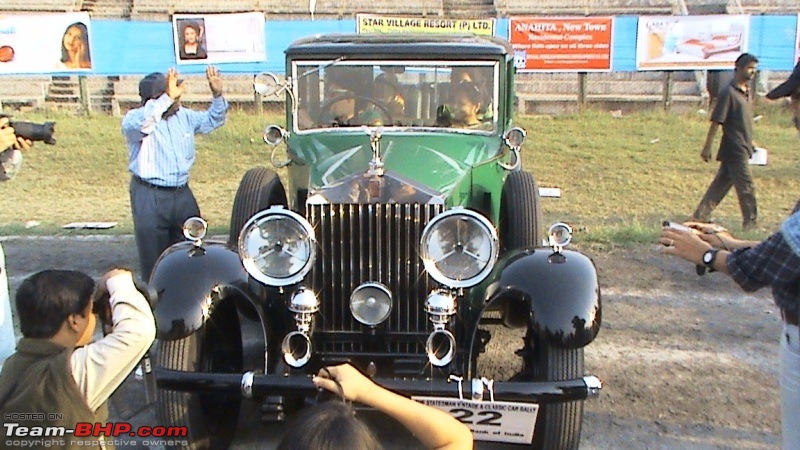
(34, 131)
(101, 305)
(676, 226)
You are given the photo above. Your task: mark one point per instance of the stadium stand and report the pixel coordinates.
(290, 9)
(586, 7)
(238, 91)
(108, 9)
(546, 93)
(38, 5)
(24, 92)
(151, 10)
(205, 6)
(767, 6)
(469, 9)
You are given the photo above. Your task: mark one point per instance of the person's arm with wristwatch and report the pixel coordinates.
(719, 237)
(772, 262)
(689, 246)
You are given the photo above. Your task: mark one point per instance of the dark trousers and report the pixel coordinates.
(736, 173)
(158, 216)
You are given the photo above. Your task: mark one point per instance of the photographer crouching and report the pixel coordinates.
(58, 377)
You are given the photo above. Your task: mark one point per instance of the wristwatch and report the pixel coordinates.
(709, 257)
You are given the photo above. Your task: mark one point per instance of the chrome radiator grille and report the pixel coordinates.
(370, 242)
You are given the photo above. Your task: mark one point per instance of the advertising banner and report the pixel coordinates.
(566, 44)
(219, 38)
(45, 43)
(373, 23)
(690, 42)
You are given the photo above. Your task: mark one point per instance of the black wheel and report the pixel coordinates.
(210, 419)
(558, 425)
(259, 189)
(520, 212)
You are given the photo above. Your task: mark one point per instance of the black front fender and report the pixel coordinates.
(558, 292)
(189, 281)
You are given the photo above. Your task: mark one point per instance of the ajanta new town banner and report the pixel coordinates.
(567, 44)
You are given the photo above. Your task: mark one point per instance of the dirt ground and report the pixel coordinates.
(687, 362)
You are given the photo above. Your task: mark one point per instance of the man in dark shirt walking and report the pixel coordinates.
(734, 112)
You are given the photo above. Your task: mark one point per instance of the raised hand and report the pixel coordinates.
(214, 80)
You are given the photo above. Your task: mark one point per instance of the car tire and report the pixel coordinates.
(558, 425)
(210, 419)
(520, 212)
(259, 189)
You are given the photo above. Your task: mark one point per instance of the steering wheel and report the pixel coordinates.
(324, 110)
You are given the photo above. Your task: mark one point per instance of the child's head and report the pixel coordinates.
(329, 425)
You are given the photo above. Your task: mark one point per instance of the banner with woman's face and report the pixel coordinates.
(219, 38)
(45, 43)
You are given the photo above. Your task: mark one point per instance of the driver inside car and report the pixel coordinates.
(342, 109)
(352, 99)
(388, 91)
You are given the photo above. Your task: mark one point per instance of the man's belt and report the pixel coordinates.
(146, 183)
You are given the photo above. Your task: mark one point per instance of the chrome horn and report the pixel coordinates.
(296, 346)
(441, 343)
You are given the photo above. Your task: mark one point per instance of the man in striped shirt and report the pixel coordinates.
(160, 138)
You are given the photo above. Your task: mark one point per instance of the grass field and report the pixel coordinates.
(619, 176)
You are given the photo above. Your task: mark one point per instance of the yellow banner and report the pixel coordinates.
(377, 24)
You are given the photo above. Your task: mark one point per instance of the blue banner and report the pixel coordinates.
(134, 47)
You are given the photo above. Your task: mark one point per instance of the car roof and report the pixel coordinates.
(457, 46)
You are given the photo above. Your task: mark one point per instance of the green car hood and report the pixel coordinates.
(418, 167)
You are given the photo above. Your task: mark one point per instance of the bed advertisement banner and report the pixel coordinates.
(690, 42)
(566, 44)
(219, 38)
(45, 43)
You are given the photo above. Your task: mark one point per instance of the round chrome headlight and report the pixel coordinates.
(277, 247)
(459, 248)
(371, 303)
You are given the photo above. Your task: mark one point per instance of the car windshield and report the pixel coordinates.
(452, 95)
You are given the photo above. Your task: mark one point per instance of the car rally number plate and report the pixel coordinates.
(490, 421)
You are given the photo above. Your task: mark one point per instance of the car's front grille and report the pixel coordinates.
(359, 243)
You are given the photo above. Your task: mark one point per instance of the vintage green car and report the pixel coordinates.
(406, 239)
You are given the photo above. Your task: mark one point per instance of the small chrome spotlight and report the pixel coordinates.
(440, 346)
(440, 304)
(559, 236)
(195, 229)
(296, 348)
